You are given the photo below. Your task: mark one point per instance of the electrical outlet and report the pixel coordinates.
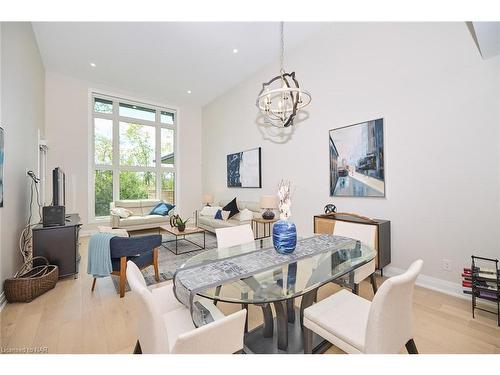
(446, 264)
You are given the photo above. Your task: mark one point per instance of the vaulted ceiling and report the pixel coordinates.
(166, 59)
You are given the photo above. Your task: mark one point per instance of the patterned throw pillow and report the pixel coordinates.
(222, 215)
(232, 207)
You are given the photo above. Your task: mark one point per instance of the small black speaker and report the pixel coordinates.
(53, 216)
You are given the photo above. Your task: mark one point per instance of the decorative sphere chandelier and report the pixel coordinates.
(281, 98)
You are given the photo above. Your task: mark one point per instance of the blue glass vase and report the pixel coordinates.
(284, 236)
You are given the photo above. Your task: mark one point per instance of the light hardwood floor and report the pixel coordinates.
(72, 319)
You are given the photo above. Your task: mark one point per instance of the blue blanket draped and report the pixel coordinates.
(99, 256)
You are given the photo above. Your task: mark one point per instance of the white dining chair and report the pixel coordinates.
(367, 235)
(166, 326)
(233, 236)
(357, 325)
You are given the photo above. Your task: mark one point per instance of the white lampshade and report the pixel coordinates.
(269, 201)
(207, 198)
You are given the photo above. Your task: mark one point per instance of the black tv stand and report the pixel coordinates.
(59, 244)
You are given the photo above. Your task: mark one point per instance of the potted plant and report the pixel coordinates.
(176, 221)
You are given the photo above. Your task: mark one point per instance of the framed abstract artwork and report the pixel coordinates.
(244, 169)
(357, 160)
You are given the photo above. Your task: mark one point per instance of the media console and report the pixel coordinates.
(59, 244)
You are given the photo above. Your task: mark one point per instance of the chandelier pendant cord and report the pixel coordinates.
(282, 51)
(281, 98)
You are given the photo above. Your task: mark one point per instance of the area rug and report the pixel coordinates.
(168, 262)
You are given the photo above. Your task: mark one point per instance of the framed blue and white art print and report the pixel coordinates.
(244, 169)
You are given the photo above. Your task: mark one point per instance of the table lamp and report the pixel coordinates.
(207, 199)
(268, 202)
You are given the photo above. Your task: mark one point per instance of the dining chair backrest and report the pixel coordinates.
(390, 318)
(223, 336)
(233, 236)
(366, 234)
(152, 332)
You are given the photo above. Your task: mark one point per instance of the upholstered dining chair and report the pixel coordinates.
(141, 250)
(166, 326)
(233, 236)
(366, 234)
(357, 325)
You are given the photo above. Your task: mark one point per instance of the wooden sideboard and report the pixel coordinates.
(324, 224)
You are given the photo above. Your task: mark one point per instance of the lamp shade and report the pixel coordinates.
(207, 198)
(269, 201)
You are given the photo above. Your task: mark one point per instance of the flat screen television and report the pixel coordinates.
(58, 187)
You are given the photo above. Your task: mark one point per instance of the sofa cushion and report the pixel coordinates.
(231, 206)
(162, 209)
(253, 206)
(209, 211)
(142, 220)
(121, 212)
(244, 215)
(133, 205)
(148, 204)
(214, 223)
(222, 215)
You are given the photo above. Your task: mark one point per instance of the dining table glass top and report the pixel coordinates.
(287, 280)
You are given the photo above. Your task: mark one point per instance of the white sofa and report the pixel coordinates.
(210, 224)
(140, 218)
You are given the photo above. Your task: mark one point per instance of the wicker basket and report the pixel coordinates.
(27, 284)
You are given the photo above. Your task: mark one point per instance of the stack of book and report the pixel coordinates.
(484, 283)
(467, 281)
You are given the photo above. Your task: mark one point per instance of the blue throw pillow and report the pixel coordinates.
(218, 215)
(162, 209)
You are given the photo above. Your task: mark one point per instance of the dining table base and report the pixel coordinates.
(257, 343)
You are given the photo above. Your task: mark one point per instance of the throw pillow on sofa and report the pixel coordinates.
(245, 215)
(123, 213)
(162, 209)
(222, 215)
(209, 210)
(232, 207)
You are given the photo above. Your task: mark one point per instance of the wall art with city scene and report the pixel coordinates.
(357, 160)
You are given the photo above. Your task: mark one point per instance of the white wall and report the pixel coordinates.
(67, 134)
(439, 100)
(22, 115)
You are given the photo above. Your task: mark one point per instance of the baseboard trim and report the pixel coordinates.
(3, 301)
(428, 282)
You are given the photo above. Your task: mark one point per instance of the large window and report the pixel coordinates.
(134, 149)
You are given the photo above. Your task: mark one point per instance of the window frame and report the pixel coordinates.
(115, 166)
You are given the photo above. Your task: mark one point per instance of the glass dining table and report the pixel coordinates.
(280, 287)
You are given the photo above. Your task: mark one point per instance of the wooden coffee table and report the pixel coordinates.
(181, 236)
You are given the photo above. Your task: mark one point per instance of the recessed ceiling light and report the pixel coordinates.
(235, 50)
(189, 91)
(93, 65)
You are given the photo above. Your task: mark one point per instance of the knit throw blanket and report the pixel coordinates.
(99, 261)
